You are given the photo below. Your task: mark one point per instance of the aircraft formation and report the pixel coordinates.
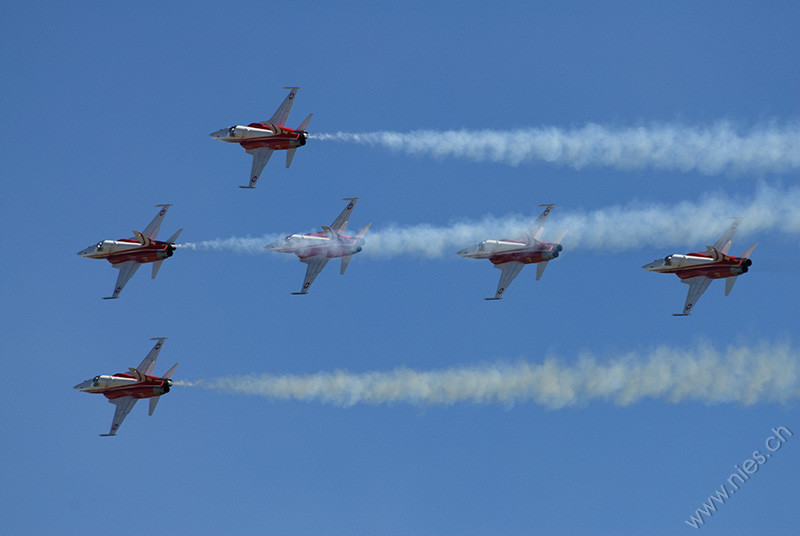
(260, 140)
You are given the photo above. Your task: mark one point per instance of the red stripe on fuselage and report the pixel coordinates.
(525, 256)
(714, 270)
(146, 389)
(285, 138)
(141, 254)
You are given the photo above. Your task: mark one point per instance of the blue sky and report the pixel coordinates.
(107, 111)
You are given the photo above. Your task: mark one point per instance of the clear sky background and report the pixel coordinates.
(107, 110)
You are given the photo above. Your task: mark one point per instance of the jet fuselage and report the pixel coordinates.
(700, 264)
(257, 135)
(123, 384)
(508, 250)
(127, 249)
(317, 244)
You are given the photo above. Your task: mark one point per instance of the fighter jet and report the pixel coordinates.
(124, 389)
(127, 254)
(261, 139)
(511, 255)
(698, 269)
(316, 249)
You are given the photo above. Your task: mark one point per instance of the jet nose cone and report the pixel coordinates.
(275, 246)
(463, 252)
(217, 134)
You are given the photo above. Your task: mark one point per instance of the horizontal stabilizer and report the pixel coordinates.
(492, 299)
(749, 251)
(304, 125)
(156, 268)
(108, 435)
(729, 284)
(363, 230)
(172, 239)
(345, 262)
(680, 314)
(540, 269)
(153, 404)
(170, 372)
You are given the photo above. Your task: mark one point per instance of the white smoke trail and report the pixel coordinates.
(621, 227)
(710, 150)
(247, 244)
(763, 373)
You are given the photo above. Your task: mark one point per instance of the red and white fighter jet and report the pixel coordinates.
(698, 269)
(124, 389)
(261, 139)
(316, 249)
(512, 254)
(127, 254)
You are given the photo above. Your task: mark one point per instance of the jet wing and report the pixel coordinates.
(315, 266)
(126, 271)
(340, 223)
(260, 158)
(510, 270)
(124, 406)
(697, 285)
(149, 362)
(725, 241)
(151, 231)
(535, 232)
(281, 115)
